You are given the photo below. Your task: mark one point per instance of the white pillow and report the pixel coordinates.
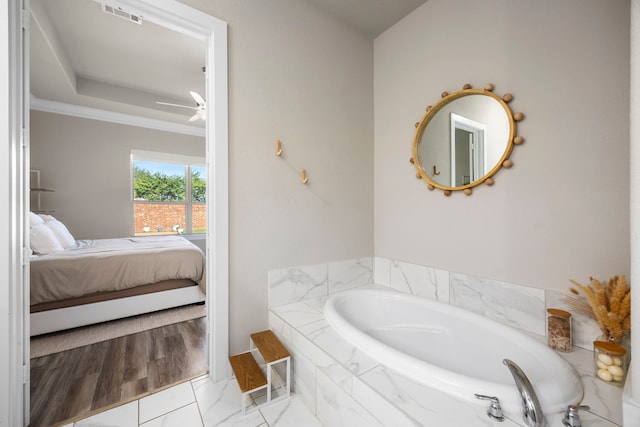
(43, 241)
(62, 233)
(46, 218)
(34, 219)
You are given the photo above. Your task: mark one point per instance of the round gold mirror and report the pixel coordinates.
(465, 139)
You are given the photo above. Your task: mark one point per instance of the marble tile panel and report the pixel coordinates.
(518, 306)
(584, 329)
(383, 410)
(321, 360)
(382, 271)
(298, 314)
(293, 284)
(421, 281)
(185, 416)
(427, 406)
(326, 338)
(336, 408)
(165, 401)
(289, 413)
(604, 399)
(350, 274)
(316, 303)
(122, 416)
(220, 404)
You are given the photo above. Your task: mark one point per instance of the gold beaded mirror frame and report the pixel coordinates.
(465, 139)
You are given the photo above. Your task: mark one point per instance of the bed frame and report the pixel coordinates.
(46, 320)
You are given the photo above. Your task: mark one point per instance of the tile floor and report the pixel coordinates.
(200, 403)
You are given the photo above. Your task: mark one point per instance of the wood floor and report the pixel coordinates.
(77, 381)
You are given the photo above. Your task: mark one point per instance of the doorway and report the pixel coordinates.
(213, 31)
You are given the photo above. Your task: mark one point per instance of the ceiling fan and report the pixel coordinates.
(200, 108)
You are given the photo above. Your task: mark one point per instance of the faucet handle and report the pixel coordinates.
(571, 417)
(495, 410)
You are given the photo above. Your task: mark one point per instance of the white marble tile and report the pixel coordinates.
(298, 314)
(421, 281)
(316, 303)
(185, 416)
(382, 271)
(289, 413)
(121, 416)
(430, 407)
(165, 401)
(604, 399)
(336, 408)
(518, 306)
(350, 274)
(322, 361)
(289, 285)
(584, 329)
(325, 337)
(383, 410)
(220, 404)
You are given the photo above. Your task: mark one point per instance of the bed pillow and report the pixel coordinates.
(43, 241)
(34, 219)
(61, 233)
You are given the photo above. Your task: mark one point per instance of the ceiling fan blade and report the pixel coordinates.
(177, 105)
(196, 96)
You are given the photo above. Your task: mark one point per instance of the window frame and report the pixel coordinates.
(177, 159)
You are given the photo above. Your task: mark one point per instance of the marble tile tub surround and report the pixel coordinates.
(343, 386)
(522, 307)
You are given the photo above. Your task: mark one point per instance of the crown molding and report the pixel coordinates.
(49, 106)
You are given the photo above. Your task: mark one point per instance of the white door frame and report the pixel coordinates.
(197, 24)
(14, 363)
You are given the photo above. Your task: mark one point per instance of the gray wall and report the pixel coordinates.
(87, 163)
(562, 211)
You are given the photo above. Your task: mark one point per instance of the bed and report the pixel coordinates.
(77, 283)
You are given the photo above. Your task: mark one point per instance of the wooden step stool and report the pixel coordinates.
(250, 376)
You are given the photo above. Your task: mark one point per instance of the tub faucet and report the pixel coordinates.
(533, 416)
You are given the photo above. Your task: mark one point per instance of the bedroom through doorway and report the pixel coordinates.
(123, 112)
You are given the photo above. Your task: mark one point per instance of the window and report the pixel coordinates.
(169, 194)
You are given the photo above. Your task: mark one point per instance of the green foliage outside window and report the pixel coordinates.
(160, 187)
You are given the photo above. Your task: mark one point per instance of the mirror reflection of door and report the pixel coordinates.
(467, 150)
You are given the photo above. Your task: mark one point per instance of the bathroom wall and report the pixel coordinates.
(298, 75)
(87, 163)
(562, 211)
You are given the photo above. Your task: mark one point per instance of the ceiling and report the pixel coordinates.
(80, 55)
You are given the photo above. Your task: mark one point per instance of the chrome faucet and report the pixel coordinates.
(533, 416)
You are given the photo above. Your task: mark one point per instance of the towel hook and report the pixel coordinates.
(278, 148)
(435, 170)
(303, 176)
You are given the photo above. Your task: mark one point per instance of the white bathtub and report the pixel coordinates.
(450, 349)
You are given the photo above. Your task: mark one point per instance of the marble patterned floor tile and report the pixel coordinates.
(165, 401)
(187, 416)
(289, 413)
(121, 416)
(220, 404)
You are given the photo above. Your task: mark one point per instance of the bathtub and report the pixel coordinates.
(455, 351)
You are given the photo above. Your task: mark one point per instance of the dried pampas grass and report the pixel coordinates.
(608, 303)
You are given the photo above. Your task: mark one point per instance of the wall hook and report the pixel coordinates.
(303, 176)
(435, 170)
(278, 148)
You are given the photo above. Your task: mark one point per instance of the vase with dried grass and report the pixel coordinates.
(609, 304)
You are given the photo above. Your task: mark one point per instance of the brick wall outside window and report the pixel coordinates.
(165, 215)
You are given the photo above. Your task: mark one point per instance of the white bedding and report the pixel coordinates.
(103, 265)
